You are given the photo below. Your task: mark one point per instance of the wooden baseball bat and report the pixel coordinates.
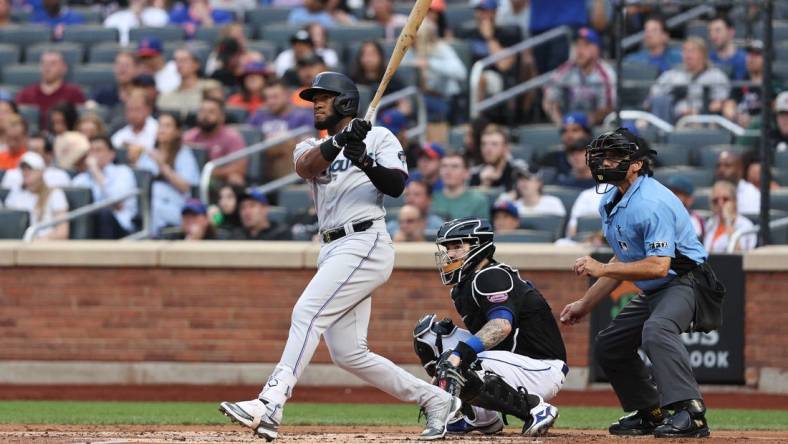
(404, 42)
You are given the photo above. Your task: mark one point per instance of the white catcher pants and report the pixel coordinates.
(336, 304)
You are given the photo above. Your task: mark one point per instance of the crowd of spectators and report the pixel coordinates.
(169, 109)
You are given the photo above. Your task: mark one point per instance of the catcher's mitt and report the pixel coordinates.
(447, 376)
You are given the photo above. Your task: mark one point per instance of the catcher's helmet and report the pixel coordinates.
(619, 145)
(477, 232)
(338, 84)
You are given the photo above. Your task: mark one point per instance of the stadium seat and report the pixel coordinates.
(104, 52)
(706, 156)
(463, 50)
(408, 75)
(9, 54)
(698, 28)
(30, 113)
(355, 33)
(567, 195)
(251, 134)
(700, 177)
(209, 36)
(72, 52)
(526, 236)
(278, 34)
(21, 74)
(266, 16)
(269, 50)
(527, 153)
(695, 137)
(639, 71)
(634, 95)
(779, 199)
(254, 168)
(20, 16)
(92, 75)
(589, 224)
(236, 114)
(702, 199)
(277, 215)
(540, 135)
(781, 159)
(164, 33)
(457, 137)
(89, 14)
(24, 35)
(89, 35)
(671, 155)
(296, 199)
(13, 223)
(543, 222)
(200, 49)
(458, 14)
(201, 156)
(755, 218)
(81, 227)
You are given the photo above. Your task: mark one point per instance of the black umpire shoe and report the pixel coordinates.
(689, 421)
(641, 422)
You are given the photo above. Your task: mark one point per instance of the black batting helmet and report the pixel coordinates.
(338, 84)
(477, 232)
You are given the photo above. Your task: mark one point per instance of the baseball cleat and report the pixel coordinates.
(543, 416)
(439, 412)
(689, 421)
(465, 425)
(261, 417)
(638, 423)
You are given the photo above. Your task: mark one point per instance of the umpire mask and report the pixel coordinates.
(620, 148)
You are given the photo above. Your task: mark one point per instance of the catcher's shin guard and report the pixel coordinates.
(493, 393)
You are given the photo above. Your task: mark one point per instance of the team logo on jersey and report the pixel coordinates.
(497, 298)
(657, 245)
(623, 245)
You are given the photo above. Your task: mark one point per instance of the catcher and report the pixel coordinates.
(512, 357)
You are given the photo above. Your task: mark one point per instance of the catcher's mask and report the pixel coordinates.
(476, 234)
(620, 148)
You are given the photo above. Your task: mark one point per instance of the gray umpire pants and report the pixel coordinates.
(653, 322)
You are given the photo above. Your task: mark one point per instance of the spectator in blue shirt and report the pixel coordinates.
(655, 50)
(724, 53)
(198, 13)
(549, 14)
(56, 15)
(312, 11)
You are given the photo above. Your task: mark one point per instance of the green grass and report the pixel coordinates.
(73, 412)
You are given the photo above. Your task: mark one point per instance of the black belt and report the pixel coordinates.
(338, 233)
(565, 369)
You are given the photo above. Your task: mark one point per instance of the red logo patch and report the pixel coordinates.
(497, 298)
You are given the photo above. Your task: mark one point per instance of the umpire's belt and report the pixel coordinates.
(338, 233)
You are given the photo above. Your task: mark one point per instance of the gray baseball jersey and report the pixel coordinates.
(344, 193)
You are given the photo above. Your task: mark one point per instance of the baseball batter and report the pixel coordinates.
(349, 172)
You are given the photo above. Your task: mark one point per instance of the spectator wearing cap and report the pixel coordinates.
(52, 88)
(528, 198)
(505, 217)
(455, 200)
(486, 38)
(255, 224)
(42, 202)
(584, 84)
(428, 166)
(419, 195)
(141, 127)
(724, 52)
(312, 11)
(56, 15)
(683, 189)
(682, 90)
(656, 50)
(731, 168)
(139, 13)
(54, 177)
(306, 70)
(186, 98)
(384, 15)
(745, 102)
(218, 139)
(194, 225)
(108, 180)
(301, 45)
(276, 118)
(410, 225)
(253, 79)
(150, 54)
(124, 70)
(575, 133)
(15, 146)
(497, 167)
(195, 14)
(175, 172)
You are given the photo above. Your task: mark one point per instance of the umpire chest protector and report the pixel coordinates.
(499, 287)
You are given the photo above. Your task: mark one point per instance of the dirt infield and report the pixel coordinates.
(214, 393)
(311, 434)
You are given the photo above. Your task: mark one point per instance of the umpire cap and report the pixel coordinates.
(338, 84)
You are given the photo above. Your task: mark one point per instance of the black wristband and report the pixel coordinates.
(467, 354)
(329, 150)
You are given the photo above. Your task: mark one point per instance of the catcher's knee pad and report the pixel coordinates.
(493, 393)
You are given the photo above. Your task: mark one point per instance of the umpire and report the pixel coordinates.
(655, 246)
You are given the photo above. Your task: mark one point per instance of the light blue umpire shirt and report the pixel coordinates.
(650, 220)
